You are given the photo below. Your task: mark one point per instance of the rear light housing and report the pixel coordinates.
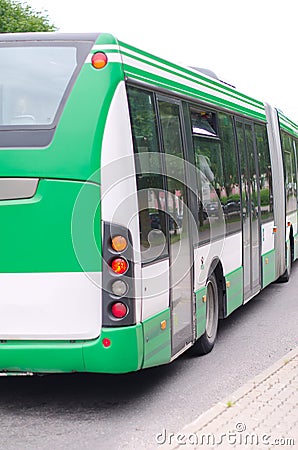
(118, 303)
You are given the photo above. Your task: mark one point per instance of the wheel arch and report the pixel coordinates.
(217, 268)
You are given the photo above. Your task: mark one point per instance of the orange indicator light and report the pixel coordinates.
(119, 243)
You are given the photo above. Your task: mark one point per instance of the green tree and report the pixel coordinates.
(17, 17)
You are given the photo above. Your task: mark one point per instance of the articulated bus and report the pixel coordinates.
(140, 202)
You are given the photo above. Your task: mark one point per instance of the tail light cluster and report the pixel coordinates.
(118, 284)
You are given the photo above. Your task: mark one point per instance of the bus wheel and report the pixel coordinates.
(206, 342)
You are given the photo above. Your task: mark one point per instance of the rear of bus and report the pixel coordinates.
(64, 124)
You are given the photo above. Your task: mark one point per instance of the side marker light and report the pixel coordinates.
(163, 325)
(106, 342)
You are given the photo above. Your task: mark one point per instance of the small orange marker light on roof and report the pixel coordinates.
(99, 60)
(274, 230)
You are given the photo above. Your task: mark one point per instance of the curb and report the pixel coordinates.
(214, 412)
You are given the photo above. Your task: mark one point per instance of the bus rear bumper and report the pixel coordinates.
(124, 354)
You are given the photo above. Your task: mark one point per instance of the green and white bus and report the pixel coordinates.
(140, 202)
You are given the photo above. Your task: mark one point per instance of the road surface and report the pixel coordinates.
(127, 411)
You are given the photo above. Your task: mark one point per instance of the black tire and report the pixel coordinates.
(206, 342)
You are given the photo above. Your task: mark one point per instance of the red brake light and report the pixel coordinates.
(119, 310)
(119, 265)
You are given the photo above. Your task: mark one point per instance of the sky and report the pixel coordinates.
(252, 44)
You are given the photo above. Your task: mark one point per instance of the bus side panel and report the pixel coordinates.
(268, 254)
(155, 288)
(233, 271)
(157, 339)
(228, 251)
(234, 285)
(268, 268)
(294, 225)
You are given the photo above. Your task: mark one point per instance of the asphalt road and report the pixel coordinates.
(127, 411)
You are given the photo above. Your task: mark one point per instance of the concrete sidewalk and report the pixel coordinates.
(262, 414)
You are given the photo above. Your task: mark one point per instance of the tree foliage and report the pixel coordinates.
(19, 17)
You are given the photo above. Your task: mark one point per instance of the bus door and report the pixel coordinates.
(250, 209)
(181, 259)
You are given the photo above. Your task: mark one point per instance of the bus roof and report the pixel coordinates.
(144, 67)
(50, 36)
(287, 124)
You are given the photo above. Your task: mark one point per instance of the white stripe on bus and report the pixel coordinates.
(194, 85)
(218, 90)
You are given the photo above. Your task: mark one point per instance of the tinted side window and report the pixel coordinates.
(290, 172)
(176, 199)
(231, 187)
(151, 194)
(210, 173)
(266, 195)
